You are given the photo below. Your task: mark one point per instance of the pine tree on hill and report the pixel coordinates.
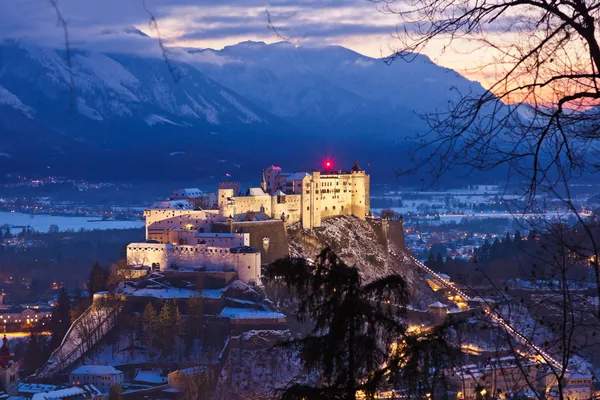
(354, 327)
(167, 327)
(439, 262)
(430, 261)
(34, 354)
(61, 318)
(195, 312)
(97, 280)
(150, 323)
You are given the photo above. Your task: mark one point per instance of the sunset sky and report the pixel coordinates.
(356, 24)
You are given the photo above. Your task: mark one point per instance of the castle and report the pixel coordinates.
(301, 196)
(189, 230)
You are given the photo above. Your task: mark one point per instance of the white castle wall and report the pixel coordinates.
(246, 264)
(222, 240)
(158, 221)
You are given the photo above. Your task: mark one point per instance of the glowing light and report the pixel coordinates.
(328, 164)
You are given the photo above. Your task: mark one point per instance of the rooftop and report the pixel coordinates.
(96, 370)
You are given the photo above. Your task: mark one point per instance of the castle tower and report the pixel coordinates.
(226, 202)
(360, 192)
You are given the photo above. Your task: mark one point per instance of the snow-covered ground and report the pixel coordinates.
(41, 222)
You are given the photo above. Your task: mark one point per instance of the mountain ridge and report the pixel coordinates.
(122, 116)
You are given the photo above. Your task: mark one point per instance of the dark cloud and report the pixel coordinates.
(315, 30)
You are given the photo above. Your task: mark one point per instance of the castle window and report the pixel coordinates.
(325, 208)
(334, 207)
(307, 208)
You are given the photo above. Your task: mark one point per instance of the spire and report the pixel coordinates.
(356, 167)
(263, 182)
(5, 356)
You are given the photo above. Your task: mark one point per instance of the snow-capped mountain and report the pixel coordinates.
(211, 114)
(336, 87)
(93, 107)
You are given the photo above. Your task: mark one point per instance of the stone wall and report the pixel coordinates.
(270, 237)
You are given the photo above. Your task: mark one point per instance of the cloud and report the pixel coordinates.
(204, 23)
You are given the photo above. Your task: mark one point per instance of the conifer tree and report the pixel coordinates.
(177, 320)
(150, 323)
(166, 325)
(195, 311)
(430, 261)
(439, 262)
(61, 318)
(354, 325)
(97, 280)
(34, 354)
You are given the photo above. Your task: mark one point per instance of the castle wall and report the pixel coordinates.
(247, 264)
(289, 205)
(192, 237)
(158, 221)
(396, 234)
(270, 237)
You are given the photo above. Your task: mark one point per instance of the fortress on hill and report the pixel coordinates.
(234, 230)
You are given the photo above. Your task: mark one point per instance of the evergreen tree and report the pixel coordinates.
(177, 320)
(507, 243)
(61, 318)
(195, 311)
(518, 243)
(483, 254)
(166, 326)
(430, 261)
(34, 354)
(97, 280)
(354, 325)
(496, 250)
(439, 262)
(150, 323)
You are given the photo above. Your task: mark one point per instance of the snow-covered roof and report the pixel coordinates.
(274, 167)
(150, 377)
(444, 276)
(68, 393)
(437, 304)
(279, 193)
(255, 192)
(96, 370)
(31, 388)
(247, 313)
(172, 205)
(296, 176)
(188, 193)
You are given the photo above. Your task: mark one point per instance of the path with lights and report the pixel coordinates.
(494, 316)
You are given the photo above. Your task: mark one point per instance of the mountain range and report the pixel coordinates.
(211, 114)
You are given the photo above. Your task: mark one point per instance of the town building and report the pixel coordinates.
(575, 386)
(499, 377)
(100, 376)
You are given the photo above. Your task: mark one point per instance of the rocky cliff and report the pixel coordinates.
(363, 244)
